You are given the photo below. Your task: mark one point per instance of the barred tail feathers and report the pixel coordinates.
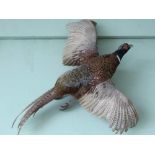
(35, 106)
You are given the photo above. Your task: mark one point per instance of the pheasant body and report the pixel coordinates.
(90, 81)
(97, 69)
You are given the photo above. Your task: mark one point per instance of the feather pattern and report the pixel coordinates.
(81, 42)
(107, 102)
(75, 78)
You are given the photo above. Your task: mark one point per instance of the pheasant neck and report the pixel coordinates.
(120, 54)
(118, 58)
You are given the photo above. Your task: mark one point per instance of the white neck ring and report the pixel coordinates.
(118, 58)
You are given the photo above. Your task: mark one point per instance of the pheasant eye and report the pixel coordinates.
(125, 46)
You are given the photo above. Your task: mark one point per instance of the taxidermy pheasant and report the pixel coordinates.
(89, 82)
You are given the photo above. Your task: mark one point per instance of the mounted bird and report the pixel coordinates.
(90, 81)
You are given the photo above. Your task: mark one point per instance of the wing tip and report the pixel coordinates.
(94, 23)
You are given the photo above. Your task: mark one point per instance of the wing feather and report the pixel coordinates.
(109, 103)
(81, 42)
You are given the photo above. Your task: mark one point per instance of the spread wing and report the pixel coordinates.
(81, 42)
(108, 102)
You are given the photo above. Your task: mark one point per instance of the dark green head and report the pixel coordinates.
(122, 50)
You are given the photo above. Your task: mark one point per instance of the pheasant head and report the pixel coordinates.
(122, 50)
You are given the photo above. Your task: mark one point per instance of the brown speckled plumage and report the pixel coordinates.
(89, 80)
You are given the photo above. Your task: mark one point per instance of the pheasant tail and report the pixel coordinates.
(32, 108)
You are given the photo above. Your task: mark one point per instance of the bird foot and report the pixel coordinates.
(64, 106)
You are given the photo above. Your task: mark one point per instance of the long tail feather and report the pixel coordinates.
(35, 106)
(21, 113)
